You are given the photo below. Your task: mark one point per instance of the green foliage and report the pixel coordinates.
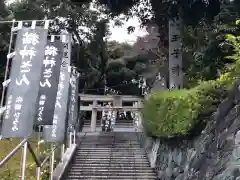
(26, 10)
(11, 170)
(168, 114)
(204, 46)
(178, 112)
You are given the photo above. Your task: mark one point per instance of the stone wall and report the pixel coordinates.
(213, 155)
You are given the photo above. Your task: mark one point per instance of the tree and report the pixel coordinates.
(5, 14)
(205, 50)
(205, 24)
(98, 60)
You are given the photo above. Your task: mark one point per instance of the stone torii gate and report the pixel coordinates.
(116, 100)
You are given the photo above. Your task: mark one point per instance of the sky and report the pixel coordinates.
(120, 34)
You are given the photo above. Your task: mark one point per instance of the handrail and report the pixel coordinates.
(24, 143)
(36, 159)
(13, 152)
(49, 155)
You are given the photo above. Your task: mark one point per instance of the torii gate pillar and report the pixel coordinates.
(94, 117)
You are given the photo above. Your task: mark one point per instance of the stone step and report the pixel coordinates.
(108, 146)
(107, 160)
(120, 155)
(110, 142)
(110, 161)
(112, 151)
(111, 178)
(107, 166)
(110, 173)
(122, 143)
(122, 120)
(110, 156)
(93, 177)
(113, 170)
(109, 149)
(102, 148)
(100, 178)
(90, 168)
(116, 123)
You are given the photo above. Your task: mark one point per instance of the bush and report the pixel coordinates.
(178, 112)
(170, 113)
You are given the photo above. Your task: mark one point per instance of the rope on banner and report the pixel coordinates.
(5, 83)
(9, 56)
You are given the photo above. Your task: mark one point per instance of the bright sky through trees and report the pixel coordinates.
(120, 34)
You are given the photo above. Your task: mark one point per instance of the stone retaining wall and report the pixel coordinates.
(213, 155)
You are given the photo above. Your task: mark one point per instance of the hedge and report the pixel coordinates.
(178, 112)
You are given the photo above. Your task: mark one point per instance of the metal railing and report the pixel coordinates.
(26, 146)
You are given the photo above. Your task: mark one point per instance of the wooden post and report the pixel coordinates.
(94, 117)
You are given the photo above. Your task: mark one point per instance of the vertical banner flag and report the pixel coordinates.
(73, 101)
(24, 86)
(175, 54)
(49, 82)
(56, 131)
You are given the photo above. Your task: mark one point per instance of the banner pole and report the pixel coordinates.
(7, 64)
(5, 76)
(70, 140)
(38, 139)
(38, 173)
(24, 159)
(62, 151)
(52, 163)
(74, 137)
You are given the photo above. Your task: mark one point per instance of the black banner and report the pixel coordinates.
(56, 132)
(49, 82)
(73, 101)
(23, 89)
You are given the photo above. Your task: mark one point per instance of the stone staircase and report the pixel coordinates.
(87, 123)
(119, 123)
(124, 123)
(109, 156)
